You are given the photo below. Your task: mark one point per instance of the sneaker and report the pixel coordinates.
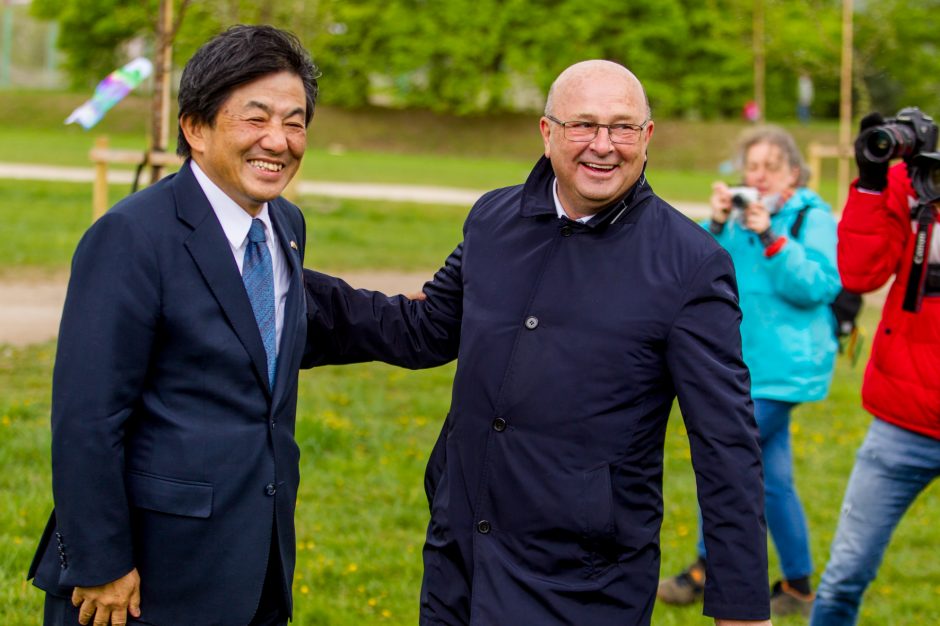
(785, 600)
(685, 588)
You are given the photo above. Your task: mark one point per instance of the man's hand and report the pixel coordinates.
(735, 622)
(109, 603)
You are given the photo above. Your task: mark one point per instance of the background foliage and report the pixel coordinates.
(462, 56)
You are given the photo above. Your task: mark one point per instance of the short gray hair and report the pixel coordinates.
(775, 136)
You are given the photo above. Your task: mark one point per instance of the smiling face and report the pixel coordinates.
(255, 145)
(593, 174)
(766, 168)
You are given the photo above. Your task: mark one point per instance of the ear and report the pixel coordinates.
(195, 134)
(545, 127)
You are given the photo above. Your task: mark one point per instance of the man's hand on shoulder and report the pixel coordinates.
(736, 622)
(109, 603)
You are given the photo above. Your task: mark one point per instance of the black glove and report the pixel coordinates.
(871, 176)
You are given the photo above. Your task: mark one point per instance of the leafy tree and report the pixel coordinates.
(92, 31)
(694, 56)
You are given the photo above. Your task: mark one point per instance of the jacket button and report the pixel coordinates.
(566, 230)
(499, 424)
(270, 489)
(531, 322)
(483, 527)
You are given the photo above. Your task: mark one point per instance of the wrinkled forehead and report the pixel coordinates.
(764, 152)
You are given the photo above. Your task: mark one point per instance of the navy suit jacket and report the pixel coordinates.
(170, 452)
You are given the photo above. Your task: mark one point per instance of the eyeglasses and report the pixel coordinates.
(579, 130)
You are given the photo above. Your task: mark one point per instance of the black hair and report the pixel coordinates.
(233, 58)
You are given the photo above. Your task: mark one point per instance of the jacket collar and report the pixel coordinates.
(212, 254)
(537, 198)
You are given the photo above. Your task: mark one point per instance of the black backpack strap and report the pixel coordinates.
(797, 225)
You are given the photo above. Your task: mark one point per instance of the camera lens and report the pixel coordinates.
(930, 182)
(890, 141)
(925, 176)
(879, 145)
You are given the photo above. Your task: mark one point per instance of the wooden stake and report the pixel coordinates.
(99, 192)
(845, 103)
(160, 105)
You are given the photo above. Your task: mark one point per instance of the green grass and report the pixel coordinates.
(46, 220)
(365, 432)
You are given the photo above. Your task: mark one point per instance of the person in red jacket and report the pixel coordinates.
(901, 452)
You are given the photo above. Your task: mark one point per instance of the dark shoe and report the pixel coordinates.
(785, 600)
(685, 588)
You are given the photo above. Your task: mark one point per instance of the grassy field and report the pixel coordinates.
(365, 432)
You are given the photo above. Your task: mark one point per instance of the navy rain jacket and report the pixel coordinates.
(545, 485)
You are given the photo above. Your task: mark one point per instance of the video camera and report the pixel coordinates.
(911, 135)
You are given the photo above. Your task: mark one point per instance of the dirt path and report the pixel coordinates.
(30, 307)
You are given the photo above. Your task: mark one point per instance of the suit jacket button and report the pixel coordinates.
(270, 489)
(566, 230)
(499, 424)
(483, 527)
(531, 322)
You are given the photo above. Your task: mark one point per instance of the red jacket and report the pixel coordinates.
(876, 242)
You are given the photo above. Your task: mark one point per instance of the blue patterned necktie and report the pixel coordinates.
(258, 277)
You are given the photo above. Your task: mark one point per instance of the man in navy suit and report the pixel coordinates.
(175, 469)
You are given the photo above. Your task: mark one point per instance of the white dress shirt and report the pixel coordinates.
(235, 223)
(560, 209)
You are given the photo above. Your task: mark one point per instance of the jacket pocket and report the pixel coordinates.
(169, 495)
(597, 504)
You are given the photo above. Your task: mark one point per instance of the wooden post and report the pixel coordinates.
(6, 52)
(759, 60)
(99, 193)
(815, 165)
(160, 105)
(845, 103)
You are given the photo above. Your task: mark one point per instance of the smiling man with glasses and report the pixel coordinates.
(585, 305)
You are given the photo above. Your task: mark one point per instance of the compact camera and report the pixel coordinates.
(908, 133)
(741, 197)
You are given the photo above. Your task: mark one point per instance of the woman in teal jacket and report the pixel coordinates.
(782, 239)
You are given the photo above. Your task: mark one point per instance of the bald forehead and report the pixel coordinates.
(591, 70)
(575, 78)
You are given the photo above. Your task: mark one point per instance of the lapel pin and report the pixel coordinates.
(293, 244)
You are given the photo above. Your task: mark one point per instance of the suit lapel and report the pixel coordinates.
(212, 254)
(288, 358)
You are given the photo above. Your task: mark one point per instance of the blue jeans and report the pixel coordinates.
(785, 518)
(892, 467)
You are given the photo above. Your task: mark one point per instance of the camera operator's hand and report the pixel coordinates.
(871, 176)
(720, 202)
(756, 217)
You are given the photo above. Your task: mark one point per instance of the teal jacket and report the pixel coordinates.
(787, 330)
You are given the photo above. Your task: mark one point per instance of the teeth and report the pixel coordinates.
(595, 166)
(264, 165)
